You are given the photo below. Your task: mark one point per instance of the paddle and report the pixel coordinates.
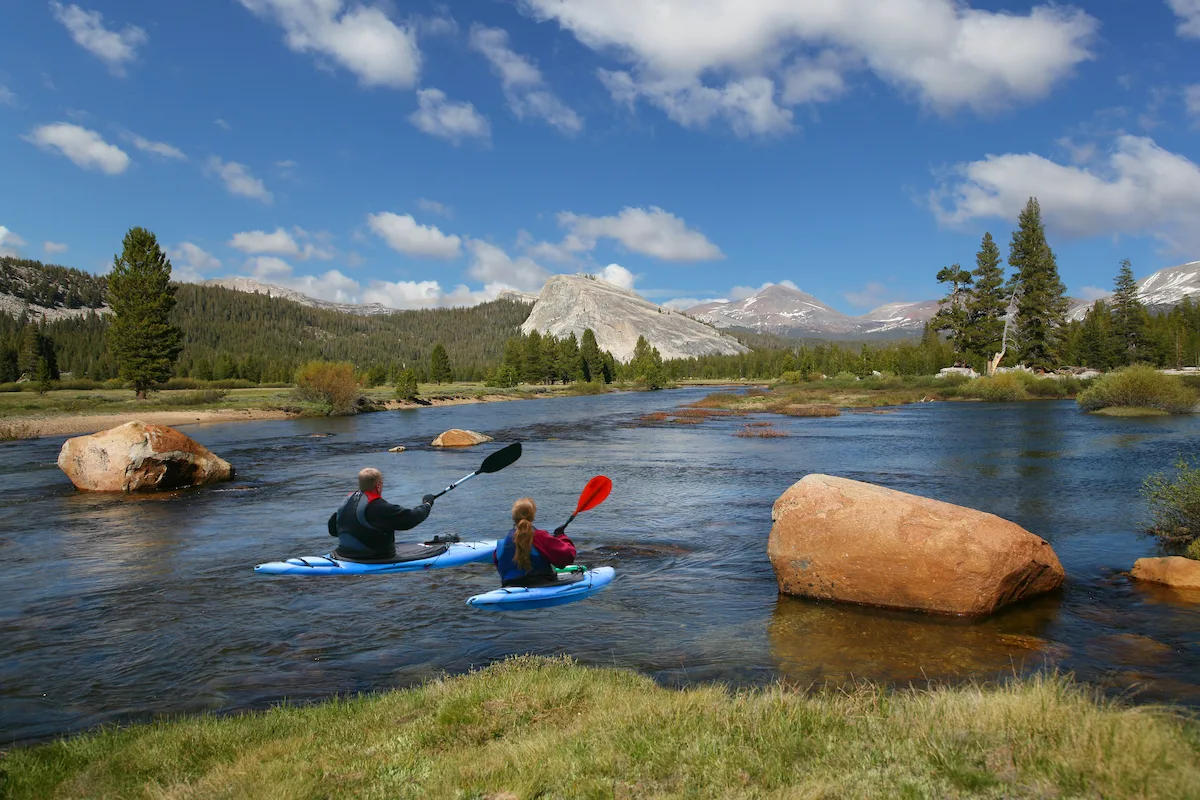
(593, 494)
(493, 463)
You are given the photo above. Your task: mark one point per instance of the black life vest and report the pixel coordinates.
(356, 535)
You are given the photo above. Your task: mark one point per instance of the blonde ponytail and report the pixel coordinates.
(523, 512)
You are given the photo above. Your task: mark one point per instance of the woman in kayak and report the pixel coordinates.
(528, 556)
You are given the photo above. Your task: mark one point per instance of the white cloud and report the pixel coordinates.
(190, 261)
(222, 124)
(1079, 153)
(434, 207)
(280, 242)
(944, 53)
(239, 181)
(331, 285)
(7, 98)
(359, 37)
(439, 116)
(287, 164)
(1191, 101)
(404, 235)
(114, 48)
(492, 265)
(654, 233)
(54, 248)
(1140, 189)
(870, 296)
(524, 87)
(9, 242)
(83, 146)
(617, 275)
(684, 303)
(157, 148)
(1092, 293)
(1188, 12)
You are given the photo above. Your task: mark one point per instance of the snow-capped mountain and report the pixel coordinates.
(271, 290)
(1161, 291)
(784, 311)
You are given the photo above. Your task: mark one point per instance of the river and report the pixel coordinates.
(122, 608)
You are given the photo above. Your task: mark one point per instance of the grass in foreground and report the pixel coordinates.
(533, 727)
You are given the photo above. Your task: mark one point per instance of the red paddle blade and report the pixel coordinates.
(594, 493)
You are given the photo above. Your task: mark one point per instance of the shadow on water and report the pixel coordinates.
(122, 608)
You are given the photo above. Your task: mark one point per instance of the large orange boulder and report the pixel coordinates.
(137, 457)
(854, 542)
(1182, 573)
(457, 437)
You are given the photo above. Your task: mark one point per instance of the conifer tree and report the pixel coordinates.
(568, 358)
(439, 365)
(1129, 317)
(952, 314)
(1041, 296)
(1095, 344)
(532, 358)
(987, 303)
(141, 336)
(647, 364)
(593, 361)
(406, 385)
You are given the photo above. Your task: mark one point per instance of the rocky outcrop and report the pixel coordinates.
(457, 437)
(1176, 571)
(573, 303)
(251, 286)
(137, 457)
(854, 542)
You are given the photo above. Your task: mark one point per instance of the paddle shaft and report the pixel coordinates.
(456, 483)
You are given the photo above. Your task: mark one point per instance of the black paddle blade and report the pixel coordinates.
(500, 459)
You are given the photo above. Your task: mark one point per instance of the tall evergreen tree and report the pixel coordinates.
(533, 358)
(141, 336)
(1095, 346)
(987, 303)
(568, 358)
(647, 365)
(952, 314)
(593, 360)
(1129, 317)
(1041, 295)
(439, 365)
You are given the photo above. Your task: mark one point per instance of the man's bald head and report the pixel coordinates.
(370, 480)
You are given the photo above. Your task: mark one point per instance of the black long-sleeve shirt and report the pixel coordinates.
(389, 518)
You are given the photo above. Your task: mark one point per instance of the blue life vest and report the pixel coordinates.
(506, 563)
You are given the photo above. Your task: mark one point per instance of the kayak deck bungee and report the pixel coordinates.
(575, 583)
(409, 558)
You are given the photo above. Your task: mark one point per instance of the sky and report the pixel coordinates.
(422, 154)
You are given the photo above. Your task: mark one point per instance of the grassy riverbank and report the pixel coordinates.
(535, 727)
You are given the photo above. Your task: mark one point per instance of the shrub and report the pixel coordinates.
(406, 385)
(200, 397)
(332, 386)
(1003, 388)
(183, 383)
(792, 377)
(1139, 386)
(1193, 551)
(589, 387)
(1174, 503)
(753, 431)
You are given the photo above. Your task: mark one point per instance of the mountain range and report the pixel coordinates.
(1159, 292)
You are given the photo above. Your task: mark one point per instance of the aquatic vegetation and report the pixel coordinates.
(760, 431)
(1174, 503)
(1139, 386)
(530, 727)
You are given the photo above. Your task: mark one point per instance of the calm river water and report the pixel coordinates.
(121, 608)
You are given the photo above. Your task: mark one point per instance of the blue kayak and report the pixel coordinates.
(574, 583)
(409, 558)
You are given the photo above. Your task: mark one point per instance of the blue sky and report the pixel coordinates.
(423, 154)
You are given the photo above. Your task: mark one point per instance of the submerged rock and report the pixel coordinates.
(844, 540)
(397, 449)
(138, 457)
(457, 437)
(1182, 573)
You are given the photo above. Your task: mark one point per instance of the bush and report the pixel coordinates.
(183, 383)
(200, 397)
(1174, 503)
(1139, 386)
(406, 385)
(332, 386)
(792, 377)
(1193, 551)
(1006, 387)
(589, 387)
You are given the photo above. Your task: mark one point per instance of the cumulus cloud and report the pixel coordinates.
(155, 148)
(1140, 189)
(524, 87)
(1091, 293)
(279, 242)
(404, 235)
(359, 37)
(1188, 12)
(434, 207)
(239, 181)
(9, 242)
(870, 296)
(727, 58)
(7, 98)
(439, 116)
(83, 146)
(189, 262)
(742, 292)
(492, 265)
(617, 275)
(54, 248)
(331, 285)
(114, 48)
(652, 232)
(1191, 101)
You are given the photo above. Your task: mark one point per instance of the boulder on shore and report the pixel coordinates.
(457, 437)
(854, 542)
(1176, 571)
(138, 457)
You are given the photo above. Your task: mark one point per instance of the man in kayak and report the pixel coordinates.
(528, 556)
(366, 524)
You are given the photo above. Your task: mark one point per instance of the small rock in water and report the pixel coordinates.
(397, 449)
(1177, 571)
(457, 437)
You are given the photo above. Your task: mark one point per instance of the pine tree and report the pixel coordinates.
(1129, 317)
(141, 336)
(647, 365)
(1095, 346)
(406, 385)
(532, 358)
(593, 360)
(439, 365)
(568, 359)
(1041, 296)
(987, 303)
(952, 314)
